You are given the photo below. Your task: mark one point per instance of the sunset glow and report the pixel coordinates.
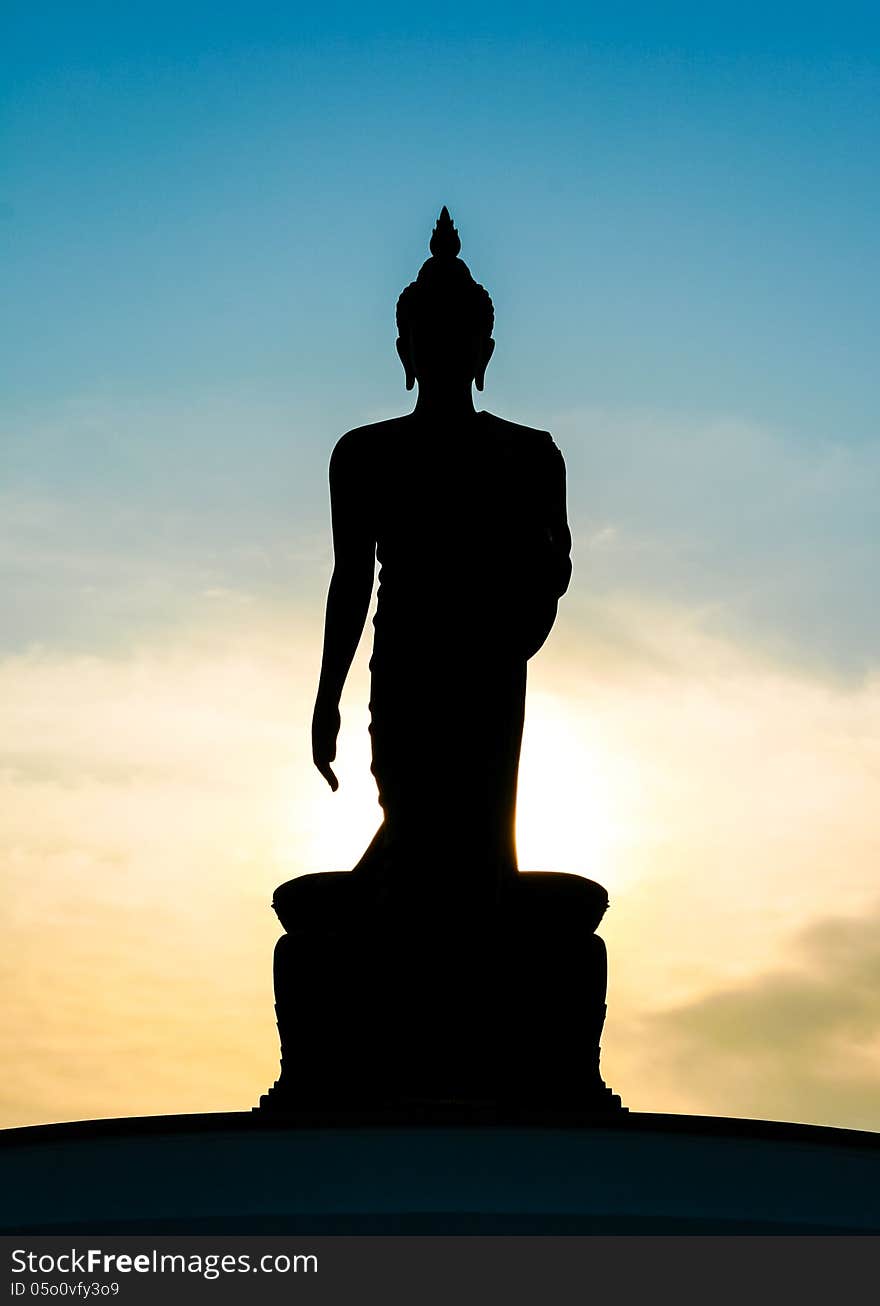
(208, 221)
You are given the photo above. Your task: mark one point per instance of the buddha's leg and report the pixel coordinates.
(446, 763)
(446, 766)
(486, 771)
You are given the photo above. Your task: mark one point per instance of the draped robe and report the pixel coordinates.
(473, 550)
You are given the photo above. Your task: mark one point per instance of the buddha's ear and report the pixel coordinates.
(403, 355)
(487, 352)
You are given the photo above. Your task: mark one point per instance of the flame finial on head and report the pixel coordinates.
(445, 241)
(444, 288)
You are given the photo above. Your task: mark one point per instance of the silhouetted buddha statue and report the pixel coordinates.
(436, 967)
(466, 515)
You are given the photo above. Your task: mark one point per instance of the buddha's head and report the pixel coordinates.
(444, 318)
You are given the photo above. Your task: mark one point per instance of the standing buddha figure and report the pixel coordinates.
(465, 513)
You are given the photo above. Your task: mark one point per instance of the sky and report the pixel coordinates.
(208, 213)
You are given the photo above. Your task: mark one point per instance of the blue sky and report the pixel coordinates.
(686, 211)
(210, 210)
(207, 214)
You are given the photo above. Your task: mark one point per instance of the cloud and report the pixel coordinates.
(771, 538)
(78, 574)
(118, 517)
(801, 1041)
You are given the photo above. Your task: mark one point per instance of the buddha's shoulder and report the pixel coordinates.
(362, 443)
(530, 439)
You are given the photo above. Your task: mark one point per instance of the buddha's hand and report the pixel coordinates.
(325, 731)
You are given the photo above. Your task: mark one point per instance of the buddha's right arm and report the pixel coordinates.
(351, 586)
(348, 601)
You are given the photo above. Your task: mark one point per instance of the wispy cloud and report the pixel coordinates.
(771, 536)
(100, 575)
